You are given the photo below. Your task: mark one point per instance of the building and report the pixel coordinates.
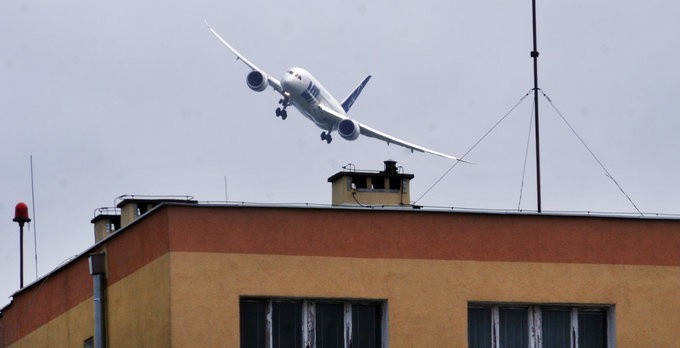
(186, 274)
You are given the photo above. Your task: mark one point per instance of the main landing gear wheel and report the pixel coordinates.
(281, 112)
(327, 137)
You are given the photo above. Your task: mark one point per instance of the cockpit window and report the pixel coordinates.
(298, 76)
(290, 72)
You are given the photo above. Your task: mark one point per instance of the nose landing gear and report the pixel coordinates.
(282, 111)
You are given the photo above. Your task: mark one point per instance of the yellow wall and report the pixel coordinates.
(139, 307)
(190, 299)
(341, 195)
(427, 299)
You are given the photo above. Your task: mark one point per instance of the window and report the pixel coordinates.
(378, 183)
(395, 183)
(359, 182)
(287, 324)
(366, 325)
(522, 325)
(271, 323)
(253, 323)
(110, 227)
(330, 322)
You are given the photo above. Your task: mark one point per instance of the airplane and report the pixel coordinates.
(299, 88)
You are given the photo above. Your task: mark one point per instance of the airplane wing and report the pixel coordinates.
(373, 133)
(274, 83)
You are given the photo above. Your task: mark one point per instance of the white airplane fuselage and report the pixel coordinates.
(306, 93)
(300, 89)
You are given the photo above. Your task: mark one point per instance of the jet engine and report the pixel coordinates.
(349, 129)
(256, 81)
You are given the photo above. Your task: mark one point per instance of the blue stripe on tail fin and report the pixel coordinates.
(354, 95)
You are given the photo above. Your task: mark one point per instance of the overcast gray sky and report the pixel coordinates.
(137, 97)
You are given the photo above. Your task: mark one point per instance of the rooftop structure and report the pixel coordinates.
(388, 187)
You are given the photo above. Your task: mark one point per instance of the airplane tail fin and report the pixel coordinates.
(355, 94)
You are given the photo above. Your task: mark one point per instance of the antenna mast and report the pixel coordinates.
(534, 55)
(35, 229)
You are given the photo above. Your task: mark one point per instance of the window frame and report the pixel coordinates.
(308, 317)
(534, 320)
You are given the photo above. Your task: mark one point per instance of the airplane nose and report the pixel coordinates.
(286, 81)
(289, 82)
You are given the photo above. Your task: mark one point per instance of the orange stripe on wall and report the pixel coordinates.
(70, 285)
(46, 300)
(425, 235)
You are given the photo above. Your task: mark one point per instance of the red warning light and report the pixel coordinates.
(21, 213)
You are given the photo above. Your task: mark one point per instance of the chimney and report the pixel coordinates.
(106, 222)
(390, 167)
(109, 220)
(387, 187)
(131, 206)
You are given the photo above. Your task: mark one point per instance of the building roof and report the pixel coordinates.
(339, 175)
(358, 232)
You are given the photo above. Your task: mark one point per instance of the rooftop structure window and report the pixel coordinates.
(359, 183)
(395, 183)
(378, 183)
(110, 227)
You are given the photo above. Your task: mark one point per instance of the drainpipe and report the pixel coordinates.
(98, 272)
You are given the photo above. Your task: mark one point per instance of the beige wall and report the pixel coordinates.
(427, 299)
(139, 307)
(341, 195)
(188, 299)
